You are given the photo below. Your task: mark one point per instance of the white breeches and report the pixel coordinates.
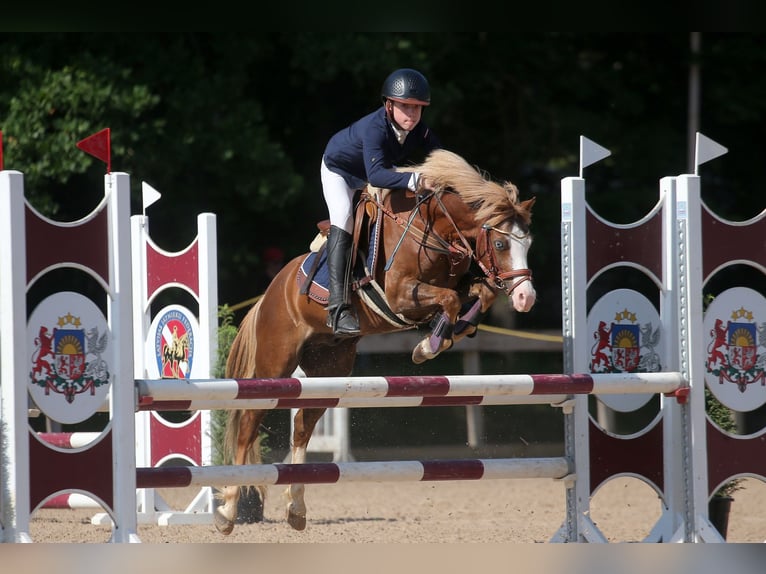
(339, 198)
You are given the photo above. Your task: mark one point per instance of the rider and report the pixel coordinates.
(368, 151)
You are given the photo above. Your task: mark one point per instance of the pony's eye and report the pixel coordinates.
(500, 245)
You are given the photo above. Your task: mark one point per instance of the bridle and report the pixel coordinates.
(493, 273)
(457, 252)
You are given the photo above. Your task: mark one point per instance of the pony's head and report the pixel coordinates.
(505, 219)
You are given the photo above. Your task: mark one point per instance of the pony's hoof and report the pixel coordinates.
(222, 524)
(296, 521)
(422, 352)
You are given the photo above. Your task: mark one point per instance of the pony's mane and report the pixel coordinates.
(494, 203)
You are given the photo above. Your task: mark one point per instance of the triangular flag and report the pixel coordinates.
(706, 149)
(150, 195)
(591, 152)
(99, 145)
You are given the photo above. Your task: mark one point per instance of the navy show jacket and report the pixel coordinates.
(367, 151)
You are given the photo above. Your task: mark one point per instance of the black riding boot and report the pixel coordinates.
(340, 314)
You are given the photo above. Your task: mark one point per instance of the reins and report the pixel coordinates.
(426, 240)
(407, 226)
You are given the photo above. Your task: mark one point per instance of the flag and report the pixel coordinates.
(591, 152)
(705, 150)
(150, 195)
(99, 145)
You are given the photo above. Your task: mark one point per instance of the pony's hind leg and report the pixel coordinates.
(324, 359)
(304, 423)
(241, 436)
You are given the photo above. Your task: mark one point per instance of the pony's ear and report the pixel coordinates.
(527, 205)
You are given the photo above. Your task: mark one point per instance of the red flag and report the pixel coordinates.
(99, 145)
(1, 151)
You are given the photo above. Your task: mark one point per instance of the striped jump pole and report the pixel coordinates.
(72, 500)
(330, 472)
(69, 439)
(286, 392)
(353, 402)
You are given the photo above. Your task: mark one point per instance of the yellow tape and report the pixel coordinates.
(522, 334)
(245, 303)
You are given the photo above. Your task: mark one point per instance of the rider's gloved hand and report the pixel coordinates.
(423, 185)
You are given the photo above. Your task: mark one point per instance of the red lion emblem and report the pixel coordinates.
(602, 337)
(719, 342)
(43, 357)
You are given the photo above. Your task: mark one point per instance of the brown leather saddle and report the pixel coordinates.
(366, 214)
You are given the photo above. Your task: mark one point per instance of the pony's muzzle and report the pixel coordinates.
(522, 294)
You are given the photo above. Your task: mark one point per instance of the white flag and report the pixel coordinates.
(705, 150)
(591, 152)
(150, 195)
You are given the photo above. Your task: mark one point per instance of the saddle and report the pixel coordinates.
(366, 238)
(365, 212)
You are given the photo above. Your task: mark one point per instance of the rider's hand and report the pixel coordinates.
(423, 184)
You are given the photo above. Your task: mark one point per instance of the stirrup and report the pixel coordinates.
(339, 315)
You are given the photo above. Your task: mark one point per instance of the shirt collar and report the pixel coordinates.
(400, 134)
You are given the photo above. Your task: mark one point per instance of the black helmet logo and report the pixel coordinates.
(407, 86)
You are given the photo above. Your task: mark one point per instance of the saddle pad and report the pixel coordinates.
(318, 289)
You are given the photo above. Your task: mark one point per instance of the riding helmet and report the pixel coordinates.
(407, 86)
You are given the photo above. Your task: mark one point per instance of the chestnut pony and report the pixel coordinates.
(444, 255)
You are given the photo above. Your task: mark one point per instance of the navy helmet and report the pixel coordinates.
(407, 86)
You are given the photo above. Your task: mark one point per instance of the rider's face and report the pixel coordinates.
(406, 116)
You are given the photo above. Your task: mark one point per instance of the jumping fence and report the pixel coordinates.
(636, 355)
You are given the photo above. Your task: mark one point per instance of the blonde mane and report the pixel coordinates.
(494, 203)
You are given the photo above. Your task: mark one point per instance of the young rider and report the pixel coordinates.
(368, 151)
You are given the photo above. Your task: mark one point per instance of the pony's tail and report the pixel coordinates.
(240, 364)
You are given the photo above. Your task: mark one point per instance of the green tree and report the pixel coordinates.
(235, 123)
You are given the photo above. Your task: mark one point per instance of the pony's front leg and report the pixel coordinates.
(473, 312)
(304, 423)
(468, 323)
(439, 340)
(414, 298)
